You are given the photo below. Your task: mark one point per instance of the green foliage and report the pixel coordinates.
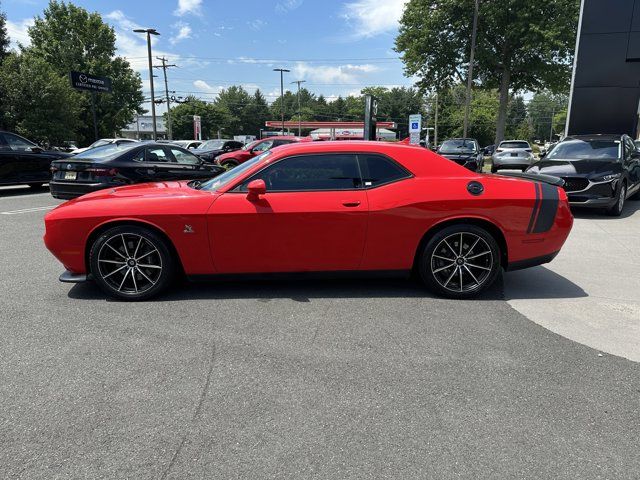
(542, 110)
(4, 38)
(518, 47)
(182, 118)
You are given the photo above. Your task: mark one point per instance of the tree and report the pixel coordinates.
(516, 118)
(69, 38)
(542, 110)
(4, 38)
(43, 106)
(518, 48)
(211, 117)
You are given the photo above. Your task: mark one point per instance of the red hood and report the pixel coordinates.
(241, 155)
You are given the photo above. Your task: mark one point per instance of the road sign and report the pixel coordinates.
(91, 83)
(415, 127)
(197, 127)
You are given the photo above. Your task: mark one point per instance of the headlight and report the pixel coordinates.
(607, 178)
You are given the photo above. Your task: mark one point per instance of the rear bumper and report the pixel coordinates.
(68, 190)
(531, 262)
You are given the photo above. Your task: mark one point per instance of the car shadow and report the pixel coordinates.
(300, 290)
(539, 283)
(17, 190)
(631, 208)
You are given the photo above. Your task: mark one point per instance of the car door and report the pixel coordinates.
(9, 162)
(154, 164)
(186, 166)
(27, 165)
(313, 217)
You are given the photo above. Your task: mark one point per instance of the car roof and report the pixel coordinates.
(597, 136)
(509, 141)
(461, 138)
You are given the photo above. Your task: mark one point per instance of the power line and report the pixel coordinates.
(164, 67)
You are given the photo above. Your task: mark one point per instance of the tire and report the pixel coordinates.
(440, 271)
(229, 164)
(493, 169)
(618, 207)
(115, 262)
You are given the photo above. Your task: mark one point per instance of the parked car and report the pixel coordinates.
(514, 154)
(489, 150)
(210, 149)
(600, 171)
(118, 164)
(188, 144)
(463, 151)
(314, 207)
(233, 159)
(22, 162)
(102, 142)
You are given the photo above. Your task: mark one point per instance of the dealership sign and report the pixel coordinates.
(91, 83)
(415, 127)
(197, 127)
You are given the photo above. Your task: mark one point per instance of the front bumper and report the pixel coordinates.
(595, 195)
(70, 277)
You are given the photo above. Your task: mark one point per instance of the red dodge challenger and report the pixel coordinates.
(349, 207)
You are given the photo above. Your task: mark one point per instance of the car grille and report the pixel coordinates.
(575, 184)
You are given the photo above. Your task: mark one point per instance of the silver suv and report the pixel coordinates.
(515, 154)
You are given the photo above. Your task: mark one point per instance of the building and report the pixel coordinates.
(605, 88)
(350, 134)
(142, 128)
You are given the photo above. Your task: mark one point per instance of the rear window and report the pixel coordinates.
(106, 152)
(378, 170)
(514, 145)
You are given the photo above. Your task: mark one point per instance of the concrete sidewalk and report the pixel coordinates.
(591, 292)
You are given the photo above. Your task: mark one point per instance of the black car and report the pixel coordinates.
(463, 151)
(116, 165)
(210, 149)
(24, 162)
(599, 171)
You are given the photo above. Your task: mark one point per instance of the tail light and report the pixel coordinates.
(102, 172)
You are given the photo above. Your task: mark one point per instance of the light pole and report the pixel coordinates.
(470, 73)
(149, 32)
(282, 70)
(299, 109)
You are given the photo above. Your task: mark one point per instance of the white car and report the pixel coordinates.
(102, 142)
(512, 154)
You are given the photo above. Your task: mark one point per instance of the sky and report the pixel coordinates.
(336, 46)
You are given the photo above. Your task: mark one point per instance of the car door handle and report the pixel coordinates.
(355, 203)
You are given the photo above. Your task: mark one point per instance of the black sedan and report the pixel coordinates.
(116, 165)
(600, 171)
(210, 149)
(463, 151)
(23, 162)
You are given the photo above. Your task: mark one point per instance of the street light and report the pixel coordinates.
(282, 70)
(149, 32)
(299, 109)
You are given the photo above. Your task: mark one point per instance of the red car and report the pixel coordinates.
(235, 158)
(314, 207)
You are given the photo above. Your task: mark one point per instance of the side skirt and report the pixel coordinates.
(334, 275)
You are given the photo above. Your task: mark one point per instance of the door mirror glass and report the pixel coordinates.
(256, 188)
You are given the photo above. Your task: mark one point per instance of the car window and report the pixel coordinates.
(514, 145)
(277, 143)
(156, 154)
(311, 172)
(185, 157)
(263, 146)
(378, 170)
(17, 143)
(629, 148)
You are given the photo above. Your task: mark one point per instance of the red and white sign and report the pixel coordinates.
(197, 127)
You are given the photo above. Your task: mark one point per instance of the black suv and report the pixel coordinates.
(23, 162)
(463, 151)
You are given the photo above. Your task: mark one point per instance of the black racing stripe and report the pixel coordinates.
(536, 205)
(548, 208)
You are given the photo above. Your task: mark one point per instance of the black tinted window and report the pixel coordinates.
(311, 172)
(378, 170)
(576, 149)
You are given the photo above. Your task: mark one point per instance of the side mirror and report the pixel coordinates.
(256, 188)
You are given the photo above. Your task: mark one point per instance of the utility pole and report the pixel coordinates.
(435, 124)
(282, 70)
(149, 32)
(164, 67)
(299, 109)
(553, 112)
(474, 34)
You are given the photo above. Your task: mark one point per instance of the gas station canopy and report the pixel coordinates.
(313, 125)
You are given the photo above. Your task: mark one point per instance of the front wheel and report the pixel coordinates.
(618, 207)
(131, 263)
(460, 261)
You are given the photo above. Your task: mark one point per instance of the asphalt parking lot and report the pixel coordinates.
(333, 379)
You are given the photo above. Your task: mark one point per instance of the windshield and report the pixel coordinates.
(249, 146)
(586, 149)
(99, 143)
(458, 146)
(229, 176)
(106, 152)
(212, 145)
(514, 145)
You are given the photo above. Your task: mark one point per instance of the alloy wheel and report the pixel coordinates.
(129, 263)
(462, 262)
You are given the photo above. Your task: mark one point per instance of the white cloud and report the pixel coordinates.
(256, 24)
(332, 73)
(188, 6)
(285, 6)
(206, 88)
(133, 46)
(373, 17)
(184, 32)
(18, 32)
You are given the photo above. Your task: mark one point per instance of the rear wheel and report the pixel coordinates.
(460, 261)
(618, 207)
(131, 263)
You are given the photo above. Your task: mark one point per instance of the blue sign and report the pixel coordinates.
(414, 126)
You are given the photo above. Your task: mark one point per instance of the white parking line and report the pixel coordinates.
(28, 210)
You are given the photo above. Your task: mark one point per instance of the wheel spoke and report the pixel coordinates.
(472, 275)
(443, 258)
(444, 268)
(460, 270)
(137, 247)
(461, 244)
(450, 277)
(149, 266)
(146, 255)
(450, 248)
(472, 247)
(478, 255)
(133, 277)
(111, 261)
(108, 245)
(477, 266)
(145, 276)
(115, 271)
(124, 244)
(123, 279)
